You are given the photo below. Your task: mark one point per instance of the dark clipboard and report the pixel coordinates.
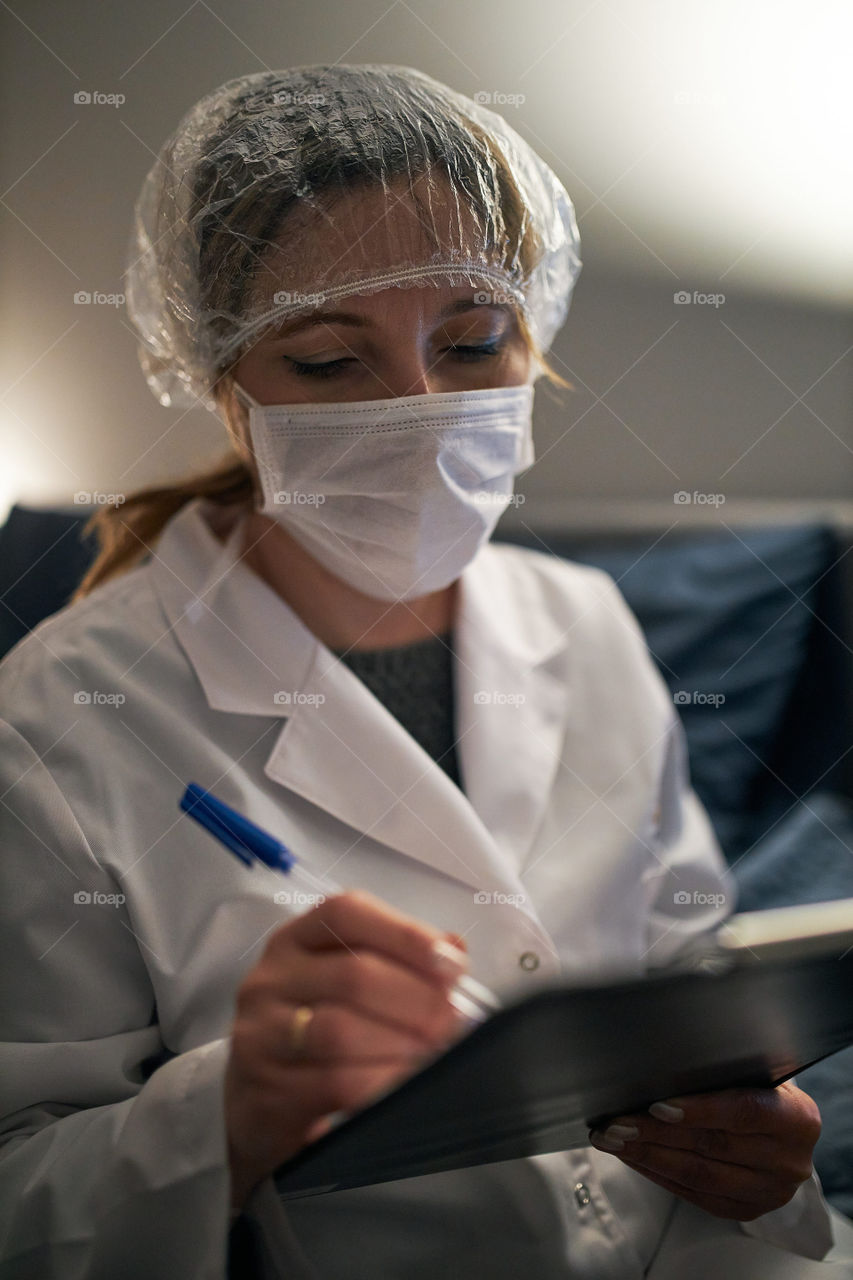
(536, 1076)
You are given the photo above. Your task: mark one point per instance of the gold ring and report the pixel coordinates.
(299, 1029)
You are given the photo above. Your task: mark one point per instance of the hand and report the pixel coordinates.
(737, 1153)
(378, 993)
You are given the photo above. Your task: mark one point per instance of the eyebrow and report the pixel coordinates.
(287, 328)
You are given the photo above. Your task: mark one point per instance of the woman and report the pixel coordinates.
(360, 271)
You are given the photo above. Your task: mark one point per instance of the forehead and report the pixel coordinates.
(364, 231)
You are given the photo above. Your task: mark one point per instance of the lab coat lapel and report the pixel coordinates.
(512, 693)
(342, 750)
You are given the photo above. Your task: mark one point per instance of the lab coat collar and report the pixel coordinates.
(340, 748)
(246, 646)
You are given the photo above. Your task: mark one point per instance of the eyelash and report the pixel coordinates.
(331, 367)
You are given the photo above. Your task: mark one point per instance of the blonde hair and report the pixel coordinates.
(125, 532)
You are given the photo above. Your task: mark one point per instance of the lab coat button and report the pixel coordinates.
(582, 1196)
(529, 961)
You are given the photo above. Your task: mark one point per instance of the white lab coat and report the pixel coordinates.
(189, 668)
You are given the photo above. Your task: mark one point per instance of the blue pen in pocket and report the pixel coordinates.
(250, 843)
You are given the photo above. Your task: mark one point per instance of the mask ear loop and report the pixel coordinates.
(246, 399)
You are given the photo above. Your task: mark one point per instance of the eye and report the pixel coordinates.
(323, 370)
(484, 349)
(328, 368)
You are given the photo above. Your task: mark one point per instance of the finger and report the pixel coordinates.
(329, 1087)
(625, 1134)
(738, 1110)
(284, 1087)
(457, 940)
(719, 1206)
(369, 984)
(707, 1177)
(356, 920)
(338, 1034)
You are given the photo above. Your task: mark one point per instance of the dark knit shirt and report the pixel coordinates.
(415, 683)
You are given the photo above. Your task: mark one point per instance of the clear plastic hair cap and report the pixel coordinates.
(285, 191)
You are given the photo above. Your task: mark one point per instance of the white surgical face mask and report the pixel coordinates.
(394, 496)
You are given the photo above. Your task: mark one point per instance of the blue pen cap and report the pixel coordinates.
(241, 836)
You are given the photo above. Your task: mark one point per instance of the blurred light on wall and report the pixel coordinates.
(709, 138)
(21, 470)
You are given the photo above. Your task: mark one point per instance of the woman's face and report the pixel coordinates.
(396, 342)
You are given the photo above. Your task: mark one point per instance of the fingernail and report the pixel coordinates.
(447, 959)
(621, 1132)
(663, 1111)
(607, 1144)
